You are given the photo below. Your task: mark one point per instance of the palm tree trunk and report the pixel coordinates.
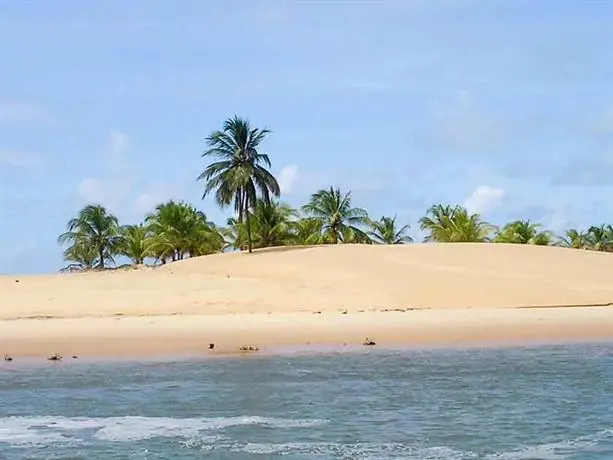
(241, 206)
(248, 223)
(245, 211)
(101, 253)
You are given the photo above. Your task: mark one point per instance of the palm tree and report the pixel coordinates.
(340, 221)
(179, 231)
(81, 256)
(524, 232)
(385, 231)
(453, 224)
(239, 172)
(235, 234)
(95, 228)
(438, 222)
(601, 238)
(575, 239)
(208, 239)
(272, 224)
(308, 231)
(136, 243)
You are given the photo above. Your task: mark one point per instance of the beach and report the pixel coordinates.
(405, 295)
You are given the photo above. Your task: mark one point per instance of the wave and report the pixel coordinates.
(567, 449)
(206, 434)
(599, 442)
(45, 430)
(366, 451)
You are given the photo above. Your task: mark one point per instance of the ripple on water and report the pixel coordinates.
(547, 403)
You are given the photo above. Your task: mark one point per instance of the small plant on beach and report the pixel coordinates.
(238, 173)
(386, 231)
(341, 222)
(454, 224)
(93, 231)
(524, 232)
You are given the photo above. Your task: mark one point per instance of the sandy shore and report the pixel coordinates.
(191, 334)
(405, 295)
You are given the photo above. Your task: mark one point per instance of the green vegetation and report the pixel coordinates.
(386, 231)
(237, 174)
(524, 232)
(340, 222)
(93, 237)
(454, 224)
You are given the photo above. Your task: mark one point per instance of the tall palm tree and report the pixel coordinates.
(340, 221)
(179, 231)
(386, 231)
(524, 232)
(601, 237)
(238, 173)
(136, 243)
(96, 228)
(575, 239)
(453, 224)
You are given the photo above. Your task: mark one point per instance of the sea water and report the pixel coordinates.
(549, 402)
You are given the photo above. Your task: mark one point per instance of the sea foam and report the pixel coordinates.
(50, 429)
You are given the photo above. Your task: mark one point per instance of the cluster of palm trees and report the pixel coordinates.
(176, 230)
(172, 232)
(237, 175)
(448, 224)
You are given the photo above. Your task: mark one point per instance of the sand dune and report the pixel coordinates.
(323, 278)
(438, 293)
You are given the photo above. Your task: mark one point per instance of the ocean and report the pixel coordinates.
(546, 402)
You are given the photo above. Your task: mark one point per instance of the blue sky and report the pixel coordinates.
(504, 106)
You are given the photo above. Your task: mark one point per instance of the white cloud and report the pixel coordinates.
(558, 219)
(155, 194)
(120, 189)
(287, 178)
(116, 158)
(19, 159)
(484, 198)
(91, 190)
(22, 112)
(118, 142)
(112, 188)
(109, 193)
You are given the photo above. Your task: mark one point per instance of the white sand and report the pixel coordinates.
(462, 293)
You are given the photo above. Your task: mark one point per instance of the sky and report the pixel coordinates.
(502, 106)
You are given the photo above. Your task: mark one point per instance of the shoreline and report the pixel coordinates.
(313, 351)
(189, 335)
